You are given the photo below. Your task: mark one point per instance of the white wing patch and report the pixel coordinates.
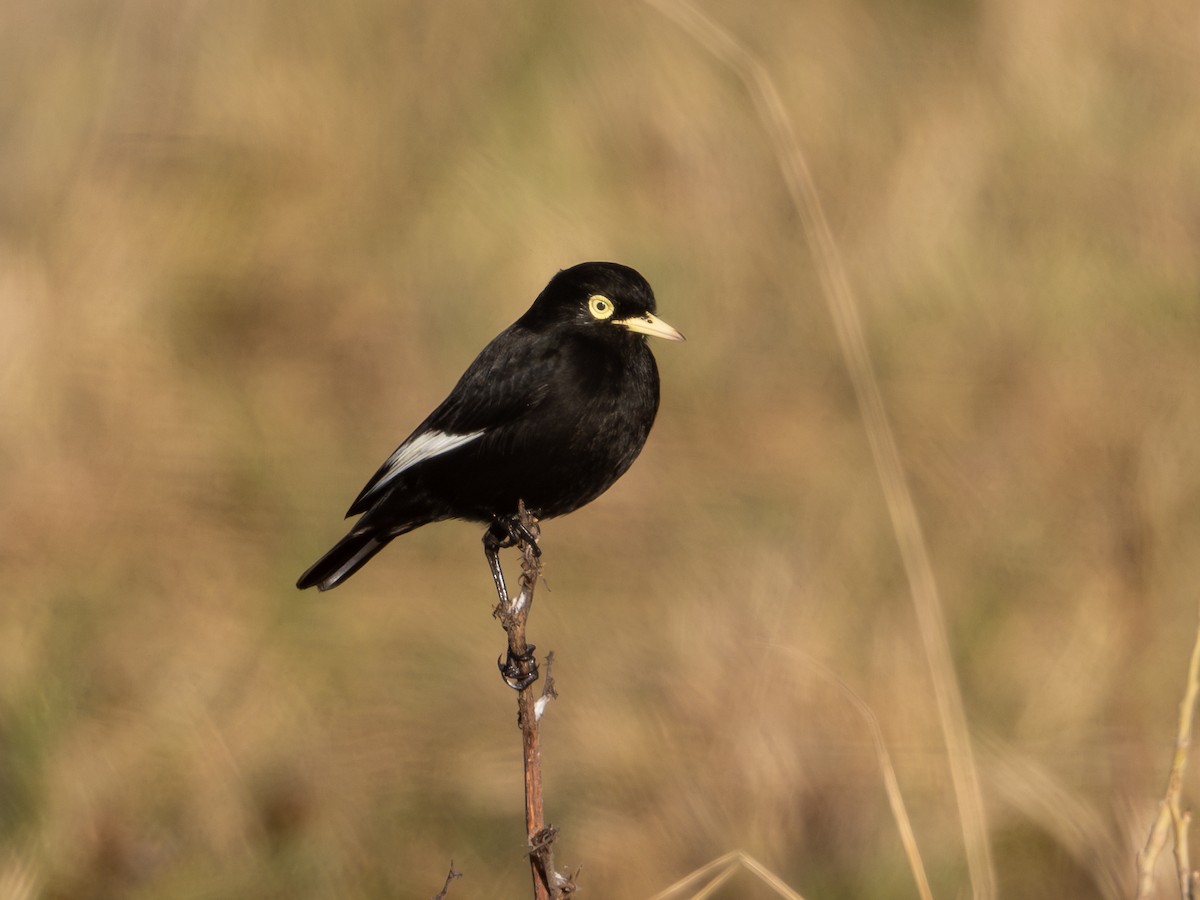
(416, 449)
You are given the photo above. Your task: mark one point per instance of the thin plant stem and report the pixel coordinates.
(521, 671)
(1170, 812)
(891, 784)
(715, 873)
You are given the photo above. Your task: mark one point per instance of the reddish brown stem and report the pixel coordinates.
(522, 669)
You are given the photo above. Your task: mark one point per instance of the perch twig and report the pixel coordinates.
(520, 672)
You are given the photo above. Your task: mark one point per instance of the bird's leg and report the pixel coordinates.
(518, 666)
(504, 532)
(493, 541)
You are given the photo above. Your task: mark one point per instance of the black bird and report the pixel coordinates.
(552, 412)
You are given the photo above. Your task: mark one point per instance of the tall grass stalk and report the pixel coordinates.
(905, 522)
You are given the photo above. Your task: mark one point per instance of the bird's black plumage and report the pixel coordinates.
(552, 412)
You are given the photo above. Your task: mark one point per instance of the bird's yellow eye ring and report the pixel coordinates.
(600, 307)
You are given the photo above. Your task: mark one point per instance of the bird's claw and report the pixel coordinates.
(519, 670)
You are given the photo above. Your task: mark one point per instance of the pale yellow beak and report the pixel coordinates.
(652, 325)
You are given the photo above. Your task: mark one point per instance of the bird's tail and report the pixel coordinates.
(345, 558)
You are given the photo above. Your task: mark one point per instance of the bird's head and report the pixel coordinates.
(600, 295)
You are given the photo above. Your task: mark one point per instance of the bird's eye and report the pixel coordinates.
(600, 306)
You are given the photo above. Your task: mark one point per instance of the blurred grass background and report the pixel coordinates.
(244, 248)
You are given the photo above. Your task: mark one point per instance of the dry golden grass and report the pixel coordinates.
(244, 248)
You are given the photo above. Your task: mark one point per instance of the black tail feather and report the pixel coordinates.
(345, 558)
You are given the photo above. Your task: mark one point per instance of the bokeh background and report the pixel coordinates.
(245, 247)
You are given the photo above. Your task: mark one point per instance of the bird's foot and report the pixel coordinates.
(519, 670)
(510, 531)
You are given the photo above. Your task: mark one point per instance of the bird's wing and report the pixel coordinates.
(499, 387)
